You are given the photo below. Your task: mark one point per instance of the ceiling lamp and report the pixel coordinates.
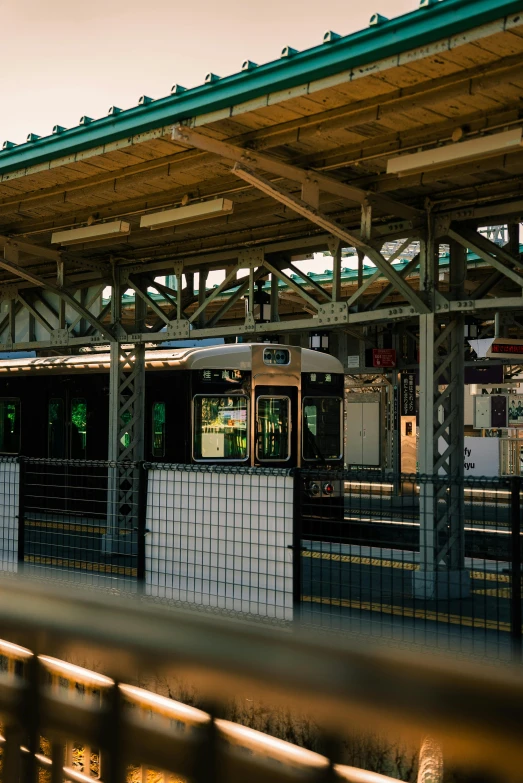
(203, 210)
(77, 236)
(450, 154)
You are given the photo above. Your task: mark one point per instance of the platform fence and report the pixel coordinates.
(272, 545)
(369, 562)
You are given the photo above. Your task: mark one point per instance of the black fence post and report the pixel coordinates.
(296, 543)
(21, 508)
(515, 593)
(142, 516)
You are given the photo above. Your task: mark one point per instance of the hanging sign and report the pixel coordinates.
(506, 348)
(383, 357)
(408, 394)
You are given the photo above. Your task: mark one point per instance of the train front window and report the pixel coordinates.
(322, 428)
(78, 428)
(220, 427)
(273, 429)
(9, 426)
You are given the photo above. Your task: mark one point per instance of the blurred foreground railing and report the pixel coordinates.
(475, 714)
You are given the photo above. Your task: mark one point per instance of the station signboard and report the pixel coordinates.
(383, 357)
(408, 394)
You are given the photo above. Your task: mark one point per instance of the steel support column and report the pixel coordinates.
(126, 436)
(440, 453)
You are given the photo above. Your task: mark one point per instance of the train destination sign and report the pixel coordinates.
(506, 348)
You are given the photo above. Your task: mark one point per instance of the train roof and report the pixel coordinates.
(237, 356)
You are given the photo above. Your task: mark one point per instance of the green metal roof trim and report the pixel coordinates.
(425, 25)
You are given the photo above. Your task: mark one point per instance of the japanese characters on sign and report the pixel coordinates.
(383, 357)
(408, 394)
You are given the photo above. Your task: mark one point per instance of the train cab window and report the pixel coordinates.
(9, 426)
(56, 429)
(220, 427)
(273, 429)
(321, 433)
(158, 445)
(78, 428)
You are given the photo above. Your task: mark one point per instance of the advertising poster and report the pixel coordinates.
(515, 410)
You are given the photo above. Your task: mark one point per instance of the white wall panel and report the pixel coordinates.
(9, 489)
(221, 539)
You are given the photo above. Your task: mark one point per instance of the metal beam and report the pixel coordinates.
(36, 315)
(292, 285)
(97, 293)
(189, 137)
(144, 296)
(61, 293)
(363, 286)
(306, 279)
(224, 285)
(350, 239)
(489, 252)
(407, 269)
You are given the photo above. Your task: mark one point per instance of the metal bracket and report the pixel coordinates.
(59, 337)
(394, 228)
(464, 305)
(178, 330)
(8, 292)
(251, 258)
(441, 304)
(178, 268)
(120, 333)
(250, 323)
(333, 313)
(441, 225)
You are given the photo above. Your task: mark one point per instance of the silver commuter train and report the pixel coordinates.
(254, 404)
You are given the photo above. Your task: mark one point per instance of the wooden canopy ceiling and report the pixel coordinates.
(326, 141)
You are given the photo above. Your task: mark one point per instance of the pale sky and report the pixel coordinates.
(61, 59)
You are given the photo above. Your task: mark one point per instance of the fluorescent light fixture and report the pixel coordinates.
(200, 211)
(459, 152)
(77, 236)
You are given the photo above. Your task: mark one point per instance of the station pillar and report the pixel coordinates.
(442, 572)
(126, 444)
(126, 430)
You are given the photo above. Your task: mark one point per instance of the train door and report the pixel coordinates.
(275, 426)
(67, 427)
(68, 486)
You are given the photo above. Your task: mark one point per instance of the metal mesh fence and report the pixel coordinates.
(368, 556)
(374, 561)
(80, 519)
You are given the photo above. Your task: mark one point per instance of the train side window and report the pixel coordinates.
(125, 439)
(322, 428)
(78, 428)
(273, 431)
(220, 428)
(9, 426)
(56, 429)
(158, 445)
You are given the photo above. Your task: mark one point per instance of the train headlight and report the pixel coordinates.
(314, 489)
(328, 488)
